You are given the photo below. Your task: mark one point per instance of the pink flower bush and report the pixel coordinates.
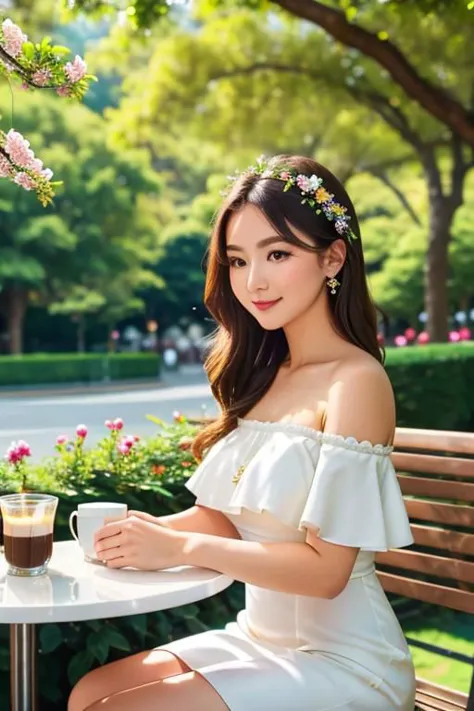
(423, 338)
(13, 38)
(18, 451)
(400, 341)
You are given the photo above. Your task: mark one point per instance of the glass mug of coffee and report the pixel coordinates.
(90, 517)
(28, 524)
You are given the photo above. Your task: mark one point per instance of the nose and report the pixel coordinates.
(256, 279)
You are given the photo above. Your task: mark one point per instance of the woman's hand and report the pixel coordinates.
(139, 543)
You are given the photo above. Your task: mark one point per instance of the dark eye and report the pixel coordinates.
(279, 255)
(233, 261)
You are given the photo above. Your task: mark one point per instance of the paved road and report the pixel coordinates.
(39, 417)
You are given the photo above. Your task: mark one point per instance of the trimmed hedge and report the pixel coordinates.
(46, 368)
(434, 385)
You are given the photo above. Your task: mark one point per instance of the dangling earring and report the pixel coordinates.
(333, 283)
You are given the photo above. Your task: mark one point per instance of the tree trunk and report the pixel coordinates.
(436, 269)
(81, 334)
(13, 304)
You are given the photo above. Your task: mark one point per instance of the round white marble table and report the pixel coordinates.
(73, 590)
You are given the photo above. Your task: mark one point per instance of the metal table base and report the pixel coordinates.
(23, 668)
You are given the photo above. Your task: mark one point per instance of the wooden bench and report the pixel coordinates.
(436, 473)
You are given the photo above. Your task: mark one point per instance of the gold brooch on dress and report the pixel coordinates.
(240, 471)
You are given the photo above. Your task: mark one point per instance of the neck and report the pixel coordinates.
(311, 336)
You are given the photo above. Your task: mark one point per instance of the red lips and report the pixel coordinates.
(263, 305)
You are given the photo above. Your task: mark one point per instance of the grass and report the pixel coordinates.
(450, 630)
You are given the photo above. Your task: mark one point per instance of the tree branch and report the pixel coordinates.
(383, 177)
(433, 99)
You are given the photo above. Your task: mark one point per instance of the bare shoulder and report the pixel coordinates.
(361, 402)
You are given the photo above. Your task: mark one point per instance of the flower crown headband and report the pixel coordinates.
(314, 194)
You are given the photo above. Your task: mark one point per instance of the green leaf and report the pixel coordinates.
(29, 50)
(138, 623)
(59, 49)
(79, 665)
(98, 646)
(50, 638)
(116, 639)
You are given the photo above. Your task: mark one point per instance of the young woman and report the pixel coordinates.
(296, 490)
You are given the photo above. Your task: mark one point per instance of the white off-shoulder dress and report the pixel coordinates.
(293, 652)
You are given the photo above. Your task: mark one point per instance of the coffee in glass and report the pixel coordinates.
(28, 524)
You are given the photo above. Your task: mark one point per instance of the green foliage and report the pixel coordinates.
(76, 368)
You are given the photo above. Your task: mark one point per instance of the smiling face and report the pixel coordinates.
(272, 279)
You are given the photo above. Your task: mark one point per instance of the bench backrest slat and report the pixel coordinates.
(435, 565)
(452, 541)
(437, 488)
(461, 600)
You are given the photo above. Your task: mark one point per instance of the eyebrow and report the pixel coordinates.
(263, 243)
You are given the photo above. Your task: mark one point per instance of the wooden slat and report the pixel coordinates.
(428, 592)
(427, 703)
(449, 514)
(453, 541)
(430, 690)
(436, 440)
(436, 488)
(433, 464)
(436, 565)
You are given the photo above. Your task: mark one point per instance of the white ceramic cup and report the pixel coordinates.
(91, 517)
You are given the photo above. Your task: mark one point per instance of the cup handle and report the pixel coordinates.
(71, 519)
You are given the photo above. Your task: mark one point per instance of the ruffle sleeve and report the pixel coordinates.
(355, 499)
(345, 490)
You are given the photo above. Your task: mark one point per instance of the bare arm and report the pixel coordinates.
(197, 519)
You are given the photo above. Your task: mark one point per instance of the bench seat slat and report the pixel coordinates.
(435, 440)
(436, 691)
(453, 541)
(433, 464)
(461, 600)
(425, 563)
(449, 514)
(436, 488)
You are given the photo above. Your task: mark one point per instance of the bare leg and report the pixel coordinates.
(185, 692)
(131, 672)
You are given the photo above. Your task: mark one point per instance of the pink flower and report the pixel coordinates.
(137, 438)
(410, 334)
(454, 336)
(109, 424)
(13, 38)
(129, 440)
(41, 77)
(285, 175)
(23, 448)
(400, 341)
(118, 423)
(304, 183)
(81, 431)
(423, 338)
(25, 86)
(18, 451)
(122, 448)
(62, 439)
(25, 181)
(63, 90)
(6, 170)
(465, 333)
(176, 415)
(18, 149)
(75, 71)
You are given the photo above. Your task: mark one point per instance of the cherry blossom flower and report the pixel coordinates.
(13, 38)
(24, 180)
(76, 70)
(41, 77)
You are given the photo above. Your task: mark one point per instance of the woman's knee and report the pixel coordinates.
(112, 678)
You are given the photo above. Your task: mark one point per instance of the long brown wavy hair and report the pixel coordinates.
(245, 358)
